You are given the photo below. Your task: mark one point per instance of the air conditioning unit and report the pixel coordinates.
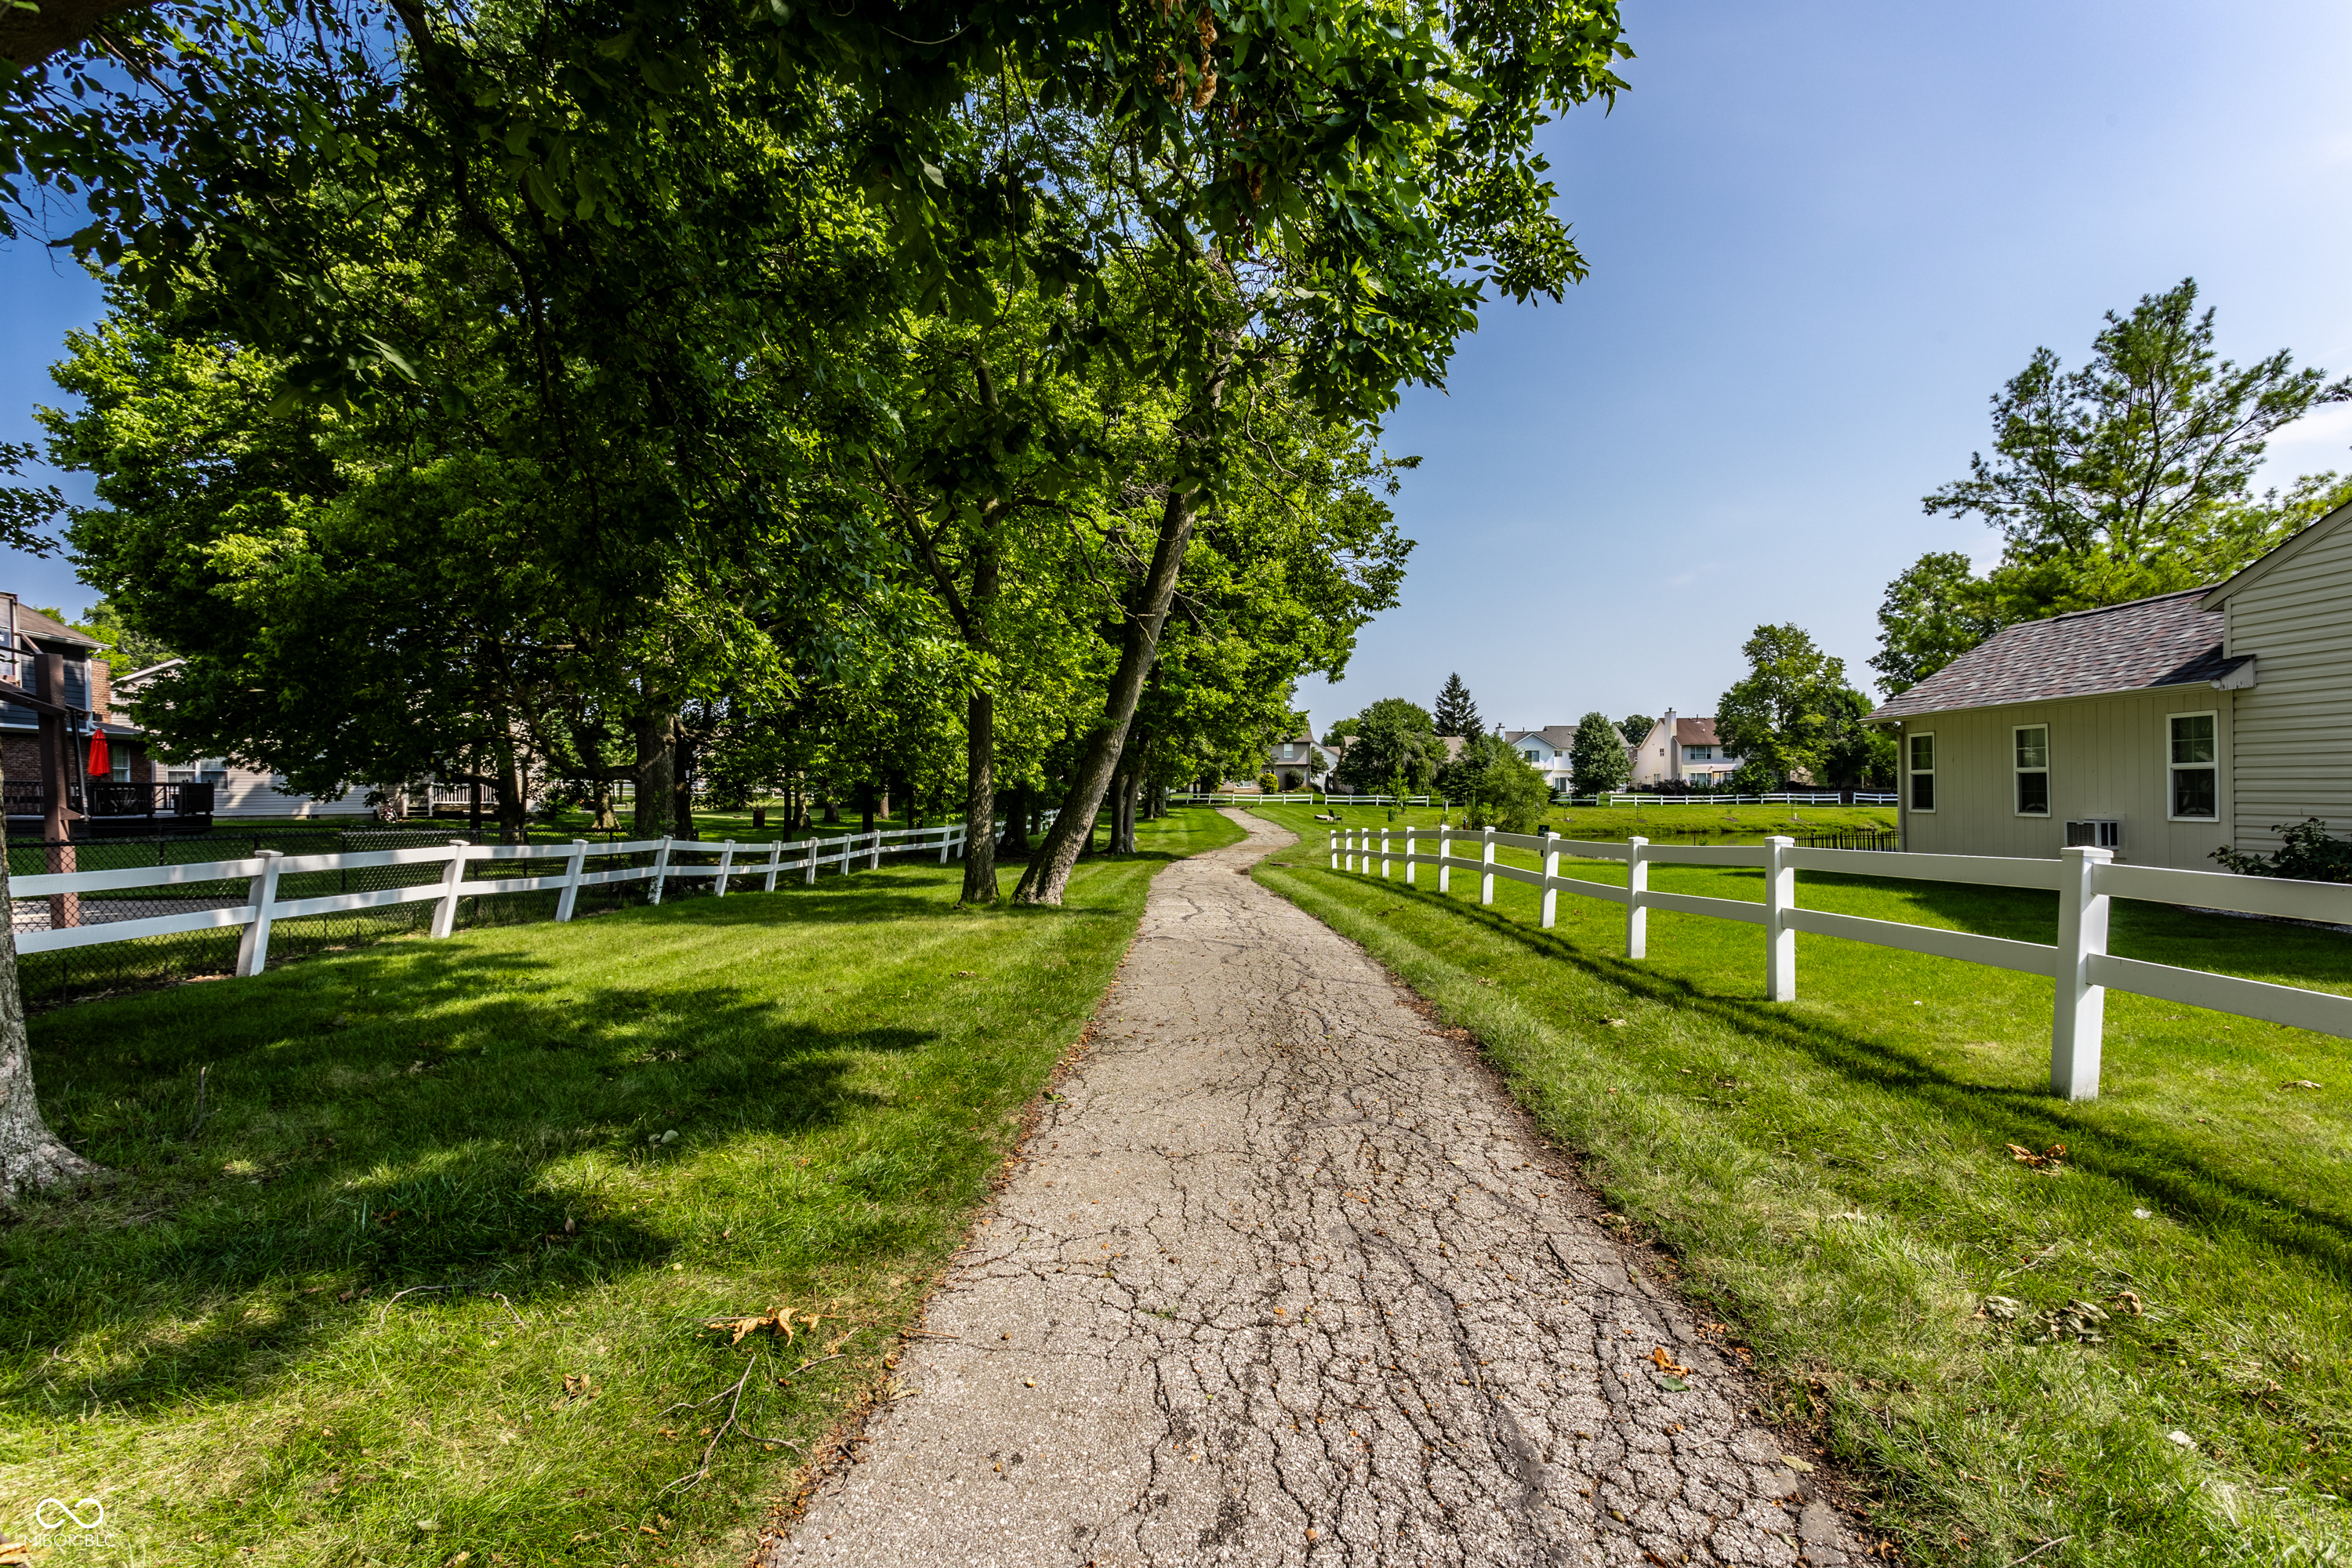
(2096, 833)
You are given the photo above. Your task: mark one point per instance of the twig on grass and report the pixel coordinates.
(2038, 1551)
(203, 1073)
(412, 1290)
(695, 1476)
(509, 1305)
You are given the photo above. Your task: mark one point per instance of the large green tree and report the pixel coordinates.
(1496, 783)
(1597, 757)
(2129, 475)
(1392, 739)
(1781, 717)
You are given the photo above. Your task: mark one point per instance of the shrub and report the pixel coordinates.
(2306, 854)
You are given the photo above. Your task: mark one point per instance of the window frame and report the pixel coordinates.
(2172, 769)
(2017, 771)
(1911, 774)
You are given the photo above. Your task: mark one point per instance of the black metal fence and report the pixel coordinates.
(68, 974)
(1853, 839)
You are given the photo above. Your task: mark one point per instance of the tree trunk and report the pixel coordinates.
(1047, 879)
(682, 791)
(1016, 822)
(600, 799)
(31, 1157)
(514, 810)
(865, 792)
(656, 772)
(980, 800)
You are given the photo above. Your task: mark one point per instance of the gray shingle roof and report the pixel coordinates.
(2163, 641)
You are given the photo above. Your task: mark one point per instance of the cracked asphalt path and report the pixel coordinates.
(1287, 1278)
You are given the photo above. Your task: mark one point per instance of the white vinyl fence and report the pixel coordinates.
(1709, 797)
(2086, 880)
(672, 860)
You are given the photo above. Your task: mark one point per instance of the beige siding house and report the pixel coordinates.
(2292, 612)
(2163, 729)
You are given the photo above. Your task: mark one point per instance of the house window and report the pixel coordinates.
(120, 772)
(1698, 753)
(2031, 744)
(1923, 773)
(2196, 768)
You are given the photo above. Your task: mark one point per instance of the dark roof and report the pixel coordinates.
(1558, 737)
(31, 623)
(2165, 641)
(1695, 732)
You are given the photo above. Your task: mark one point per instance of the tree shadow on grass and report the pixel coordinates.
(411, 1146)
(2137, 1158)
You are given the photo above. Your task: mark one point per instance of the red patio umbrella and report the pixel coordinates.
(100, 764)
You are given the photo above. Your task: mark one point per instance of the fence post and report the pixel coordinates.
(775, 864)
(1333, 834)
(726, 868)
(1551, 875)
(1486, 857)
(874, 863)
(2080, 1007)
(1637, 884)
(575, 864)
(1444, 855)
(944, 835)
(445, 912)
(661, 869)
(1780, 936)
(1409, 867)
(811, 842)
(1384, 853)
(253, 946)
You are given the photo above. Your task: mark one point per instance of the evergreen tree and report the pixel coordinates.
(1456, 714)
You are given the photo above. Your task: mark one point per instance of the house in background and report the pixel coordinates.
(237, 790)
(1682, 752)
(1301, 761)
(1546, 749)
(2162, 729)
(124, 800)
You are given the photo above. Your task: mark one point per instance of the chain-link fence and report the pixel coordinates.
(71, 973)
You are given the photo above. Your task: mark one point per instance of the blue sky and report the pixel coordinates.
(1820, 237)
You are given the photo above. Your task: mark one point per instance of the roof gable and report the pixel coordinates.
(2168, 641)
(2279, 555)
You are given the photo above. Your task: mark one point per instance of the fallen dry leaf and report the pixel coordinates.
(2050, 1159)
(2298, 1083)
(1667, 1364)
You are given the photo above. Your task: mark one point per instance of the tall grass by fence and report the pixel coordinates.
(2086, 880)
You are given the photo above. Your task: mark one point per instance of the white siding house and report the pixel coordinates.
(238, 790)
(2163, 729)
(1682, 752)
(1546, 749)
(2291, 614)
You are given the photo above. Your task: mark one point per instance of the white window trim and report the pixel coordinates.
(2171, 767)
(2016, 772)
(1910, 794)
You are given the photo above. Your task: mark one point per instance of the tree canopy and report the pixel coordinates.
(2129, 475)
(1392, 741)
(1784, 715)
(1456, 714)
(1596, 758)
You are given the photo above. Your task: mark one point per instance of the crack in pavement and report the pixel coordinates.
(1285, 1277)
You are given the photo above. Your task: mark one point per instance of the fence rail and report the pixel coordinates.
(2086, 880)
(398, 889)
(1717, 797)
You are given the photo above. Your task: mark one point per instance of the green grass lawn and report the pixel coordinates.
(431, 1272)
(1667, 824)
(1832, 1178)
